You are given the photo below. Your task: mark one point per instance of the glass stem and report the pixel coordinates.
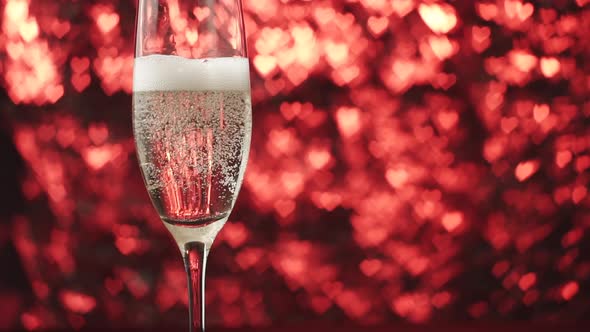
(195, 261)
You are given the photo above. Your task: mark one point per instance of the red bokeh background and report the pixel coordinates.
(412, 160)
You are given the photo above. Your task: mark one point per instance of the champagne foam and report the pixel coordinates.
(174, 73)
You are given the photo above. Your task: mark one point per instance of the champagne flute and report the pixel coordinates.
(192, 122)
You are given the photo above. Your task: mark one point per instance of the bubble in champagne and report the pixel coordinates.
(192, 125)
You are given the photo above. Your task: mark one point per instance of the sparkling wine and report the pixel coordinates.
(192, 131)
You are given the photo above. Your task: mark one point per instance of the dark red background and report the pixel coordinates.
(412, 162)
